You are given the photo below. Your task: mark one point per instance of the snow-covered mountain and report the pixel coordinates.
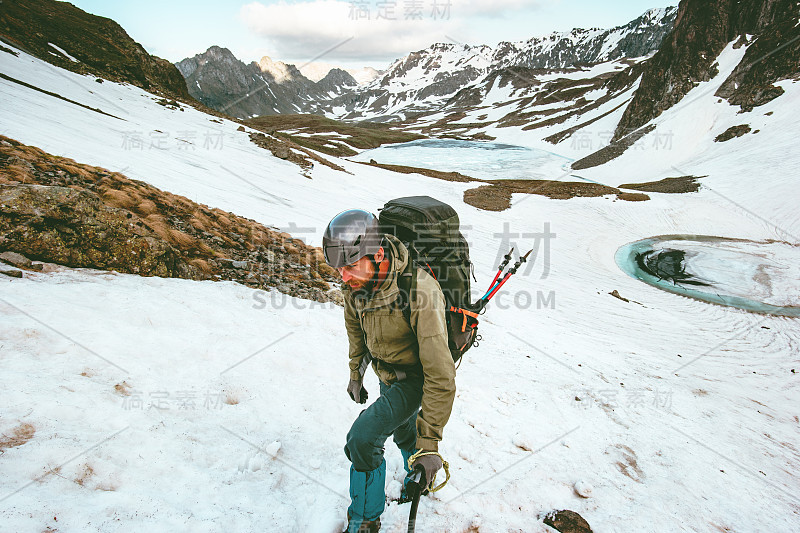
(426, 79)
(421, 80)
(637, 38)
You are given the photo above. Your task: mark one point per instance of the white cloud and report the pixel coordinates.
(493, 8)
(307, 29)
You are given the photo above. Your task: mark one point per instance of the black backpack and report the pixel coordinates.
(430, 230)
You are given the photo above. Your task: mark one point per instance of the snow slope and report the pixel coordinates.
(231, 411)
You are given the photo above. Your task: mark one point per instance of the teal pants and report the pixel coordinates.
(394, 413)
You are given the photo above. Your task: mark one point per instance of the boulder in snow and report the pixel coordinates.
(567, 522)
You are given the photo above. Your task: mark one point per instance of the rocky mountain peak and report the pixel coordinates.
(214, 54)
(339, 78)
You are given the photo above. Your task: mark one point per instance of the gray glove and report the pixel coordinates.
(430, 464)
(357, 391)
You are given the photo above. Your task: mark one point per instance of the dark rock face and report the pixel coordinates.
(775, 55)
(15, 259)
(219, 80)
(75, 228)
(676, 185)
(100, 45)
(688, 55)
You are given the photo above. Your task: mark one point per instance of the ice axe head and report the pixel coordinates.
(415, 481)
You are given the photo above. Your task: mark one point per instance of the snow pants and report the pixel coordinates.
(393, 413)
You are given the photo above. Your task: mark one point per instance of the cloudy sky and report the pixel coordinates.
(349, 33)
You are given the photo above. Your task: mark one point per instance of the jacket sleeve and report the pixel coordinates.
(355, 335)
(439, 387)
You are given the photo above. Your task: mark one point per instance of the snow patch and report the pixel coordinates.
(64, 53)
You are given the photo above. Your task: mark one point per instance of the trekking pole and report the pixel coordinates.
(494, 285)
(506, 258)
(508, 274)
(414, 488)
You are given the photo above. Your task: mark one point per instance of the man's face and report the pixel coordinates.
(358, 274)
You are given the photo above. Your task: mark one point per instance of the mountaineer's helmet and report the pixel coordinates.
(351, 235)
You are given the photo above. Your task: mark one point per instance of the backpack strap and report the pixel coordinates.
(407, 283)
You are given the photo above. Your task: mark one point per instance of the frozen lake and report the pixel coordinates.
(477, 159)
(756, 276)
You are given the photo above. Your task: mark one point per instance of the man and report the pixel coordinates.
(410, 357)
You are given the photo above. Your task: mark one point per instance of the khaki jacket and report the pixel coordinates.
(376, 326)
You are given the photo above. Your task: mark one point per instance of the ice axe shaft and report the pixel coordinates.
(414, 488)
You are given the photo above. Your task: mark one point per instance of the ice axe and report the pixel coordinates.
(414, 488)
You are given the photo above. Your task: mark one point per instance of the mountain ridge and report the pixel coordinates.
(436, 72)
(70, 38)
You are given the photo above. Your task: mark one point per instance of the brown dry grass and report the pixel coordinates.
(19, 436)
(118, 198)
(497, 195)
(438, 174)
(360, 135)
(201, 265)
(15, 173)
(146, 207)
(680, 184)
(632, 196)
(200, 222)
(158, 225)
(181, 240)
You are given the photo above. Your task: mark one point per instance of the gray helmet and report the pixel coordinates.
(351, 235)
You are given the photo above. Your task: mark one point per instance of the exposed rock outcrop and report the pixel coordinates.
(732, 132)
(56, 210)
(567, 522)
(75, 228)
